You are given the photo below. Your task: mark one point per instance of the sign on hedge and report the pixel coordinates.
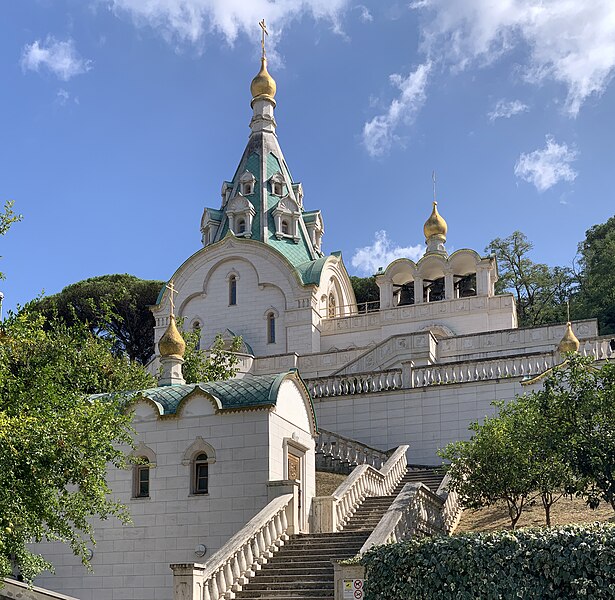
(534, 564)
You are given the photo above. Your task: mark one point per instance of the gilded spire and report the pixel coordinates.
(263, 86)
(435, 225)
(570, 342)
(172, 343)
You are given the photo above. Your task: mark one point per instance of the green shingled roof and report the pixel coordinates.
(253, 391)
(310, 271)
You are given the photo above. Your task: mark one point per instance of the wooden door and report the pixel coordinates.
(294, 473)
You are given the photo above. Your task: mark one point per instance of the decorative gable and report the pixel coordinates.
(240, 212)
(286, 217)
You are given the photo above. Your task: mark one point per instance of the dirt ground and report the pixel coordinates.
(326, 483)
(563, 512)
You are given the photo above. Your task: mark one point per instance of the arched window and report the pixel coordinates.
(277, 189)
(285, 227)
(200, 474)
(141, 479)
(331, 312)
(247, 188)
(196, 328)
(241, 226)
(271, 328)
(232, 290)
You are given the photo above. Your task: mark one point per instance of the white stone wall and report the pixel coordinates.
(290, 427)
(133, 562)
(425, 418)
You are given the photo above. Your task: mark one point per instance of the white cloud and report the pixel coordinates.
(364, 13)
(505, 109)
(60, 57)
(379, 134)
(544, 168)
(191, 20)
(381, 253)
(569, 42)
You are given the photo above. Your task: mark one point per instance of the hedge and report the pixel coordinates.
(566, 562)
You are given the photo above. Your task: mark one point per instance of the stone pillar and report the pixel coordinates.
(449, 286)
(324, 515)
(171, 370)
(418, 290)
(275, 489)
(188, 581)
(386, 292)
(406, 373)
(344, 573)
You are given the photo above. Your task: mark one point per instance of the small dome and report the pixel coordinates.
(172, 343)
(263, 85)
(570, 342)
(435, 225)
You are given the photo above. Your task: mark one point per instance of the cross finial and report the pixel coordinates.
(433, 179)
(264, 33)
(171, 287)
(568, 310)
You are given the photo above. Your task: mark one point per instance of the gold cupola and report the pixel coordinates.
(172, 343)
(570, 342)
(435, 225)
(263, 86)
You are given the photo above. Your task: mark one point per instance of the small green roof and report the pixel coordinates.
(252, 391)
(310, 271)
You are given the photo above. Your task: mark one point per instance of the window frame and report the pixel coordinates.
(232, 290)
(271, 328)
(199, 463)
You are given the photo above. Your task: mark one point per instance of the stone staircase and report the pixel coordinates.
(302, 568)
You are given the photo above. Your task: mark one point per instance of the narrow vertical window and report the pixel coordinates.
(197, 330)
(285, 227)
(232, 290)
(242, 226)
(331, 306)
(201, 474)
(271, 328)
(141, 481)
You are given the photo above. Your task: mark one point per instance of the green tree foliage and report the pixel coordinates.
(540, 292)
(496, 463)
(596, 296)
(577, 402)
(559, 439)
(365, 290)
(7, 218)
(55, 442)
(218, 363)
(112, 306)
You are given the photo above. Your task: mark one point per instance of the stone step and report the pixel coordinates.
(287, 594)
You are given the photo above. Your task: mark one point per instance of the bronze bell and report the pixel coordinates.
(406, 296)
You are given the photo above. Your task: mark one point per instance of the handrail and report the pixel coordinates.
(417, 511)
(232, 565)
(355, 383)
(339, 454)
(452, 509)
(364, 481)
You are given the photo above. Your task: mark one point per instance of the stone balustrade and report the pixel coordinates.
(231, 567)
(338, 454)
(331, 513)
(452, 509)
(480, 370)
(601, 348)
(359, 383)
(417, 511)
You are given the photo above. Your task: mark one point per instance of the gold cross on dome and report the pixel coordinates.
(264, 33)
(433, 178)
(171, 287)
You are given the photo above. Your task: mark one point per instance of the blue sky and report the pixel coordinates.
(120, 119)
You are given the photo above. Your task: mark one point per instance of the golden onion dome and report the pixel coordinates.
(263, 85)
(172, 343)
(435, 225)
(570, 342)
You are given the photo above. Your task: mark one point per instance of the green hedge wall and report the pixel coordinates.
(566, 562)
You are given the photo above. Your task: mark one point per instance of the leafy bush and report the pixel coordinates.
(567, 562)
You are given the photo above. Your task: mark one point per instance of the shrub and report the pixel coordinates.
(566, 562)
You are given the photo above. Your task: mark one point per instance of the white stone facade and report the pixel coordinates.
(246, 449)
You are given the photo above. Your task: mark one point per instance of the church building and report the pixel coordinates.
(318, 372)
